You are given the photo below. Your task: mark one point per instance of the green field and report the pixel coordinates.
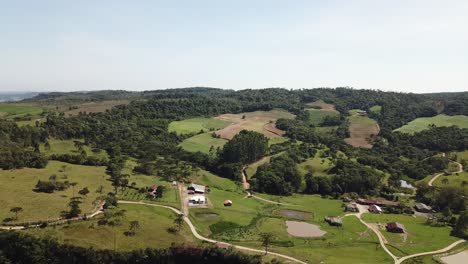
(153, 233)
(68, 147)
(195, 125)
(421, 237)
(277, 140)
(12, 111)
(203, 143)
(317, 116)
(17, 190)
(376, 109)
(317, 165)
(423, 123)
(455, 180)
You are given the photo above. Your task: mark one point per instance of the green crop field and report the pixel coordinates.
(12, 111)
(195, 125)
(153, 232)
(68, 147)
(203, 143)
(317, 116)
(420, 236)
(17, 190)
(423, 123)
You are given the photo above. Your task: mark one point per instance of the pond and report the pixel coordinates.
(206, 215)
(303, 229)
(295, 214)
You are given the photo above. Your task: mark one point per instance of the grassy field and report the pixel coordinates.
(259, 121)
(361, 129)
(154, 223)
(316, 116)
(423, 123)
(277, 140)
(376, 109)
(17, 190)
(462, 155)
(421, 237)
(12, 111)
(203, 143)
(320, 104)
(318, 166)
(68, 147)
(195, 125)
(453, 180)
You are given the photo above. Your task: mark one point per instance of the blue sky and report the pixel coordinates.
(411, 45)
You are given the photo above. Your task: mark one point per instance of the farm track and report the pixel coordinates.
(460, 169)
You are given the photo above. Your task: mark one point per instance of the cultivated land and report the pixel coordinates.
(91, 107)
(203, 143)
(16, 110)
(153, 232)
(195, 125)
(316, 116)
(423, 123)
(17, 190)
(361, 129)
(320, 104)
(259, 121)
(58, 147)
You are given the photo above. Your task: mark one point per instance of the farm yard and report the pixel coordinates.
(361, 129)
(259, 121)
(423, 123)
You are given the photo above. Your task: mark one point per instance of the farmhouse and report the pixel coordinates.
(395, 227)
(197, 200)
(152, 191)
(352, 208)
(196, 188)
(334, 221)
(375, 209)
(423, 208)
(347, 199)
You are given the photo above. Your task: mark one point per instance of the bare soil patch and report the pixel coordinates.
(303, 229)
(360, 135)
(323, 106)
(259, 121)
(94, 107)
(459, 258)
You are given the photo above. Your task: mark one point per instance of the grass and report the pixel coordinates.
(68, 147)
(421, 236)
(326, 130)
(277, 140)
(12, 110)
(317, 116)
(376, 109)
(17, 190)
(361, 129)
(453, 180)
(423, 123)
(462, 155)
(31, 122)
(195, 125)
(153, 233)
(317, 165)
(203, 143)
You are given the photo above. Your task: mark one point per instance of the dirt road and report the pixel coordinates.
(460, 169)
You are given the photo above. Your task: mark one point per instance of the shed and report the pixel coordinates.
(196, 188)
(375, 209)
(352, 208)
(395, 227)
(423, 208)
(334, 221)
(197, 199)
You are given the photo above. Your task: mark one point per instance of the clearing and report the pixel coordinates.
(16, 110)
(203, 143)
(361, 129)
(259, 121)
(423, 123)
(195, 125)
(17, 190)
(317, 165)
(59, 147)
(316, 116)
(320, 104)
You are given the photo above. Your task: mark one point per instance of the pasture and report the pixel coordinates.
(317, 166)
(259, 121)
(420, 237)
(203, 143)
(316, 116)
(15, 110)
(58, 147)
(454, 180)
(362, 129)
(423, 123)
(195, 125)
(153, 231)
(320, 104)
(91, 107)
(16, 189)
(376, 109)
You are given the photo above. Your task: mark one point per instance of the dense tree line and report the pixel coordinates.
(245, 147)
(16, 248)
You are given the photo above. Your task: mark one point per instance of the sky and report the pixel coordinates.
(398, 45)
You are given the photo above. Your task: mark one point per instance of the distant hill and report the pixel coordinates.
(13, 97)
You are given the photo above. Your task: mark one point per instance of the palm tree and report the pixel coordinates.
(16, 210)
(266, 239)
(179, 220)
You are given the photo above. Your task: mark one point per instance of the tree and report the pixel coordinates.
(74, 206)
(266, 239)
(445, 181)
(160, 191)
(47, 146)
(73, 184)
(245, 147)
(16, 210)
(179, 220)
(83, 191)
(461, 227)
(134, 226)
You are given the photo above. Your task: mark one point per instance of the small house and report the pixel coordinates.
(375, 209)
(352, 208)
(423, 208)
(196, 188)
(347, 199)
(334, 221)
(395, 227)
(197, 200)
(228, 203)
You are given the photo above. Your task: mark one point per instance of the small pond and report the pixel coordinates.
(206, 215)
(303, 229)
(295, 214)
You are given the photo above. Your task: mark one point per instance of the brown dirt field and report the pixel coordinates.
(93, 107)
(324, 106)
(259, 121)
(360, 134)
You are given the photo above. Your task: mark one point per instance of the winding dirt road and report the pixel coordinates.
(460, 169)
(198, 236)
